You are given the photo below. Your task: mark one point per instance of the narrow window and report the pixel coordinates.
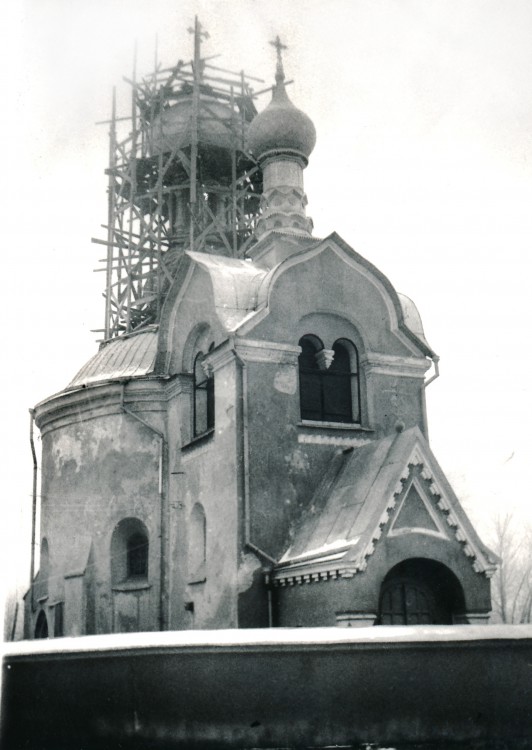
(40, 586)
(310, 381)
(137, 555)
(41, 627)
(203, 398)
(338, 383)
(59, 627)
(129, 551)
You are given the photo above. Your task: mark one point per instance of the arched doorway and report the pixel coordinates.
(41, 627)
(420, 592)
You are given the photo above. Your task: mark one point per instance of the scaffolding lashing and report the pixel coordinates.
(181, 179)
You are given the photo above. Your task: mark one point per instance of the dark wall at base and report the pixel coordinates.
(282, 688)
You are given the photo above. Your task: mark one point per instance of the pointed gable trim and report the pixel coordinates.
(418, 457)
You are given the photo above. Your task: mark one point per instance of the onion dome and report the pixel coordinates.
(281, 128)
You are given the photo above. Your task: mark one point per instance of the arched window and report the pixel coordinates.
(197, 540)
(203, 397)
(328, 381)
(129, 551)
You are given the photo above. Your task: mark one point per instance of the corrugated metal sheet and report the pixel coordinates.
(123, 357)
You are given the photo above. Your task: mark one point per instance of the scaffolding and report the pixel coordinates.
(181, 180)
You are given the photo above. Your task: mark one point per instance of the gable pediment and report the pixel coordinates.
(434, 504)
(415, 514)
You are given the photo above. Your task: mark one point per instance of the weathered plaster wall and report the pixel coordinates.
(96, 471)
(205, 470)
(282, 474)
(391, 398)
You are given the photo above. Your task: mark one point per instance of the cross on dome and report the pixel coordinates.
(199, 33)
(279, 73)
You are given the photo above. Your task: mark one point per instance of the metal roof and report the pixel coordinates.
(122, 357)
(235, 285)
(353, 501)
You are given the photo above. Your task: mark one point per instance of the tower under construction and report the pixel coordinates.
(181, 178)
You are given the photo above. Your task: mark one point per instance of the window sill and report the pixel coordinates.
(132, 585)
(203, 438)
(351, 426)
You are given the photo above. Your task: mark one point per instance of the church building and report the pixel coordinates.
(248, 446)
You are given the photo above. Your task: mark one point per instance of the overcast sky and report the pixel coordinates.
(423, 112)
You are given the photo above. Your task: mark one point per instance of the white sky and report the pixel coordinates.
(423, 110)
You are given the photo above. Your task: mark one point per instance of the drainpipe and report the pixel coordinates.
(436, 361)
(248, 544)
(163, 594)
(34, 498)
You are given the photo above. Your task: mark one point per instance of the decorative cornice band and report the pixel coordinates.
(219, 358)
(182, 383)
(344, 442)
(287, 578)
(267, 351)
(386, 364)
(104, 399)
